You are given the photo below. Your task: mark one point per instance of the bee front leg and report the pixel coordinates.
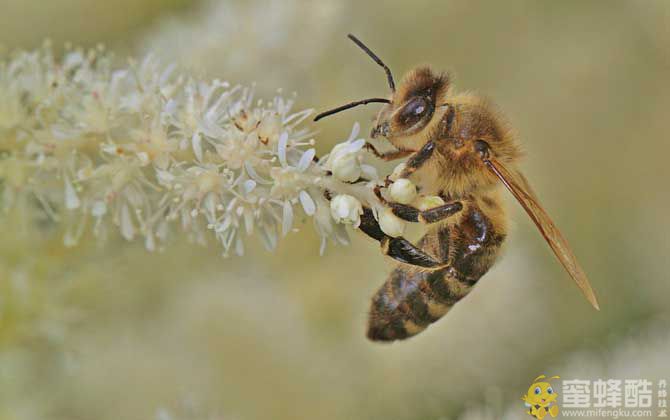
(387, 156)
(418, 159)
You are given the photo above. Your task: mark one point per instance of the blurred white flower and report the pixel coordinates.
(209, 41)
(346, 209)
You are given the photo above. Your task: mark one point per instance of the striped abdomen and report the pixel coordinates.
(412, 298)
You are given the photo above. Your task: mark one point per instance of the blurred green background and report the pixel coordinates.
(115, 332)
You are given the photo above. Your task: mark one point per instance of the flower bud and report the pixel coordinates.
(428, 202)
(346, 167)
(344, 161)
(346, 209)
(391, 224)
(403, 191)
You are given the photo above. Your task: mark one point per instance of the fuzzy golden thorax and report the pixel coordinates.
(424, 109)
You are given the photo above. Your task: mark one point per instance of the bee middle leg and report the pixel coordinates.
(412, 214)
(435, 214)
(399, 248)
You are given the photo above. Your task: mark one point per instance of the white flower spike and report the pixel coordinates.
(149, 152)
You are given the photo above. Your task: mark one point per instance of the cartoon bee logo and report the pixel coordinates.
(541, 398)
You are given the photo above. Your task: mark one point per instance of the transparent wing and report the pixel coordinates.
(519, 187)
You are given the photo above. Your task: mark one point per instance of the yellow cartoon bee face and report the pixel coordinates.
(540, 393)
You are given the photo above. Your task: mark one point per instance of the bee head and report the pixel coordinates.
(411, 107)
(405, 121)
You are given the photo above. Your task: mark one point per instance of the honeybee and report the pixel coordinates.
(459, 148)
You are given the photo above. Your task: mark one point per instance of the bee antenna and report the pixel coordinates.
(372, 55)
(350, 105)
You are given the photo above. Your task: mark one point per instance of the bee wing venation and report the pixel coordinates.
(520, 189)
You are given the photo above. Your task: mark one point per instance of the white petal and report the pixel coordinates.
(281, 148)
(322, 248)
(239, 246)
(248, 186)
(165, 76)
(354, 131)
(254, 175)
(163, 230)
(99, 208)
(355, 146)
(248, 222)
(170, 107)
(298, 117)
(210, 202)
(287, 218)
(149, 242)
(226, 224)
(71, 198)
(269, 238)
(197, 146)
(307, 203)
(164, 177)
(127, 228)
(306, 159)
(341, 235)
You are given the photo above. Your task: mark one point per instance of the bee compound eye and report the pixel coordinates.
(413, 111)
(550, 390)
(538, 391)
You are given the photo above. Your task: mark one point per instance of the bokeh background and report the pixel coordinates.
(115, 332)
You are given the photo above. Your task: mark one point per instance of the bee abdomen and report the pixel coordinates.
(409, 301)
